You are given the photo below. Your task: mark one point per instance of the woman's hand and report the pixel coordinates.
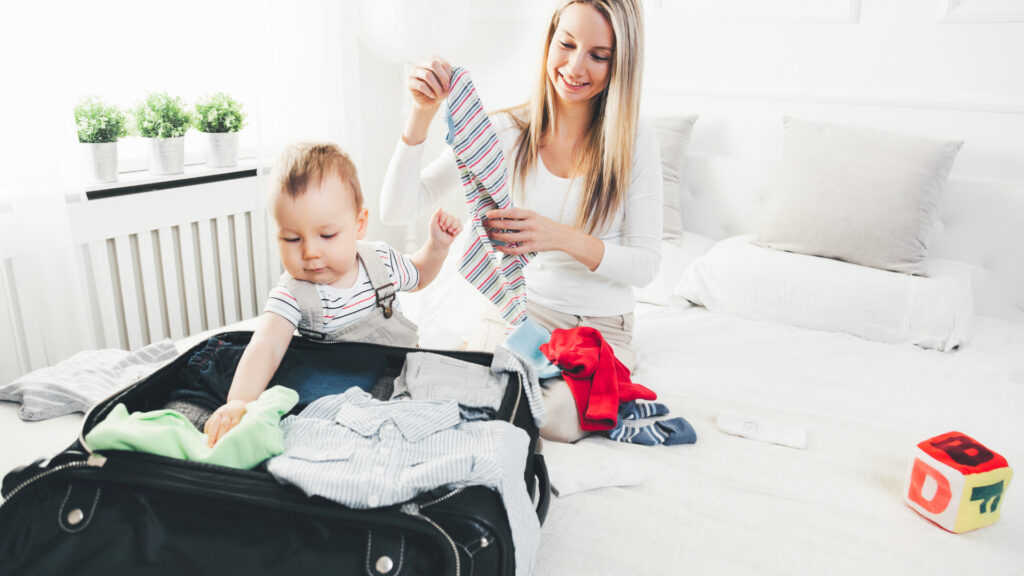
(523, 231)
(223, 420)
(429, 83)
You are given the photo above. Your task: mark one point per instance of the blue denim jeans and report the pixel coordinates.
(206, 379)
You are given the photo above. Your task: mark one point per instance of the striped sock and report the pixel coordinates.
(481, 164)
(634, 410)
(668, 432)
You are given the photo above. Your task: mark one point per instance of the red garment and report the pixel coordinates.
(596, 378)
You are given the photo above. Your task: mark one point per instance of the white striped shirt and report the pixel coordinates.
(343, 306)
(365, 453)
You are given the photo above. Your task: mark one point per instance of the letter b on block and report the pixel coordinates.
(957, 482)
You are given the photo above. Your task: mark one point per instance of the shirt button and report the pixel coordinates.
(373, 500)
(384, 451)
(378, 470)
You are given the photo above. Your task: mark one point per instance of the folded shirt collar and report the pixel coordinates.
(415, 419)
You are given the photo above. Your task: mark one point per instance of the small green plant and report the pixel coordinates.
(161, 116)
(219, 113)
(98, 121)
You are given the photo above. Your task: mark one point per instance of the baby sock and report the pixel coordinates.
(668, 432)
(634, 410)
(761, 428)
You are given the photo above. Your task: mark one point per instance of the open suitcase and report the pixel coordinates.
(137, 513)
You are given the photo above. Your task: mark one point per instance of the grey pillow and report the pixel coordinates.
(673, 136)
(862, 195)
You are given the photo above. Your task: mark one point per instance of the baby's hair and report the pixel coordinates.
(306, 162)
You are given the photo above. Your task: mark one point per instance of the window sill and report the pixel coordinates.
(145, 181)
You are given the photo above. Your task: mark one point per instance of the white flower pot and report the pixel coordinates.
(223, 150)
(103, 160)
(167, 155)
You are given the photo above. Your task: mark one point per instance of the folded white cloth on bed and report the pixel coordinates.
(568, 479)
(78, 383)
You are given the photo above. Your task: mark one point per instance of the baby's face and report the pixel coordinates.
(317, 232)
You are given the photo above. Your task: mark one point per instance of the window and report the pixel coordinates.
(55, 53)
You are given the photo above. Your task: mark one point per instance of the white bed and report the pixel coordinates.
(728, 505)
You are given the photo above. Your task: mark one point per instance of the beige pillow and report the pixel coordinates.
(673, 136)
(861, 195)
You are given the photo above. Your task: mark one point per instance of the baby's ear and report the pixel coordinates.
(361, 221)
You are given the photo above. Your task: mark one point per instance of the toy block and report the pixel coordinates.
(956, 482)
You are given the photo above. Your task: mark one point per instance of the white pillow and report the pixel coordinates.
(738, 277)
(861, 195)
(673, 136)
(674, 260)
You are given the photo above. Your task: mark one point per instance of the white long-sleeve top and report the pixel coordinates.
(632, 240)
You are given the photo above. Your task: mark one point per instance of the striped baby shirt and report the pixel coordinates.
(344, 306)
(484, 175)
(366, 453)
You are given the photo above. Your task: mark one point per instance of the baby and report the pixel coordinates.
(335, 287)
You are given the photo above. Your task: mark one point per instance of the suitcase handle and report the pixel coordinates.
(540, 470)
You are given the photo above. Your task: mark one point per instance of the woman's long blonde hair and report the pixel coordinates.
(606, 156)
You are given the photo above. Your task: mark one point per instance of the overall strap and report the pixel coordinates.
(379, 277)
(310, 306)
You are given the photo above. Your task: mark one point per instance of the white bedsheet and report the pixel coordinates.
(727, 505)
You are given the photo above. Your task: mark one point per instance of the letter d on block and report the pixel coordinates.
(919, 475)
(941, 497)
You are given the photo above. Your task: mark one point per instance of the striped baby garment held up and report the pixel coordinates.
(484, 174)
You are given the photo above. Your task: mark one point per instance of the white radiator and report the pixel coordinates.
(171, 263)
(151, 265)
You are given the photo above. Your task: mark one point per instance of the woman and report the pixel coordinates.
(586, 180)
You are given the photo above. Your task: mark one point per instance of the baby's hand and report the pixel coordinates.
(443, 229)
(223, 420)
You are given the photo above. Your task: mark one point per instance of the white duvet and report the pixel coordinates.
(728, 505)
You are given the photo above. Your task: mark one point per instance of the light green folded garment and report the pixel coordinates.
(257, 436)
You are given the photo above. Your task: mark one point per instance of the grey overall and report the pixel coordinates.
(385, 324)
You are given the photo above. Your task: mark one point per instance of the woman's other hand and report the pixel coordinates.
(523, 231)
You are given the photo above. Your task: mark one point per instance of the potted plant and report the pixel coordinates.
(100, 126)
(221, 117)
(164, 120)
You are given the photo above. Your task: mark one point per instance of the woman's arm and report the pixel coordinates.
(407, 192)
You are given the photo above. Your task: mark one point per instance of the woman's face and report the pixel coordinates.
(580, 55)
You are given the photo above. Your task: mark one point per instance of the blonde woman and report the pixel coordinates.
(586, 180)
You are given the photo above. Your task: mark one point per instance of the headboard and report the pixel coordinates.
(981, 223)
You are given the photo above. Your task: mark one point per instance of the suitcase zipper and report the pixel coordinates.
(413, 509)
(94, 460)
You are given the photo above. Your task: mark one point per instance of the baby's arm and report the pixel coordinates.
(259, 361)
(428, 259)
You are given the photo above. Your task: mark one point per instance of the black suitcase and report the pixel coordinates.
(136, 513)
